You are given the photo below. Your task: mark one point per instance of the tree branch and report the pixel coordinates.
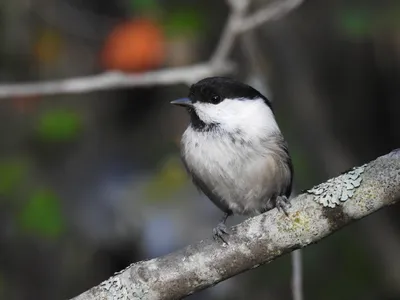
(218, 64)
(115, 80)
(258, 240)
(271, 12)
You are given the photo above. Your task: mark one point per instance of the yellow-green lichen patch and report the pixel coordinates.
(294, 223)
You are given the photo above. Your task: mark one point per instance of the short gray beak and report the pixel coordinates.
(186, 102)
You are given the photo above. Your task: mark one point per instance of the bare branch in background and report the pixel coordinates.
(271, 12)
(297, 275)
(114, 80)
(218, 65)
(228, 36)
(256, 241)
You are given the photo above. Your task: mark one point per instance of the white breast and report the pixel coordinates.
(244, 174)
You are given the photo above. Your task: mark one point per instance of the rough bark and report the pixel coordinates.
(256, 241)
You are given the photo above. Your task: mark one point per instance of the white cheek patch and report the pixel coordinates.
(235, 114)
(208, 113)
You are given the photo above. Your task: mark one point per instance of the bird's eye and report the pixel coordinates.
(215, 99)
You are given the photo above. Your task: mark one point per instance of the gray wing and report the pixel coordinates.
(202, 187)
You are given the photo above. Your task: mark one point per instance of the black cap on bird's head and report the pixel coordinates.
(213, 90)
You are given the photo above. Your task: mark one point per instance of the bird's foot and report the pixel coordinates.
(220, 231)
(282, 204)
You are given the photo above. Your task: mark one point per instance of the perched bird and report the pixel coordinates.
(234, 150)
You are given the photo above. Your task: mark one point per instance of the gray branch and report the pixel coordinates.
(115, 80)
(260, 239)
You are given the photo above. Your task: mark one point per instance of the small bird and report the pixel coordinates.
(234, 150)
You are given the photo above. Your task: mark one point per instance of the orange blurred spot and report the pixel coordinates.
(135, 45)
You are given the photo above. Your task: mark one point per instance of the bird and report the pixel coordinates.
(234, 151)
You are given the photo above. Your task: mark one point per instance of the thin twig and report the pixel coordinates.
(297, 275)
(271, 12)
(230, 32)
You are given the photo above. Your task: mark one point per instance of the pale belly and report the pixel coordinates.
(243, 178)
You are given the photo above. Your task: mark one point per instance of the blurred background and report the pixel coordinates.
(91, 183)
